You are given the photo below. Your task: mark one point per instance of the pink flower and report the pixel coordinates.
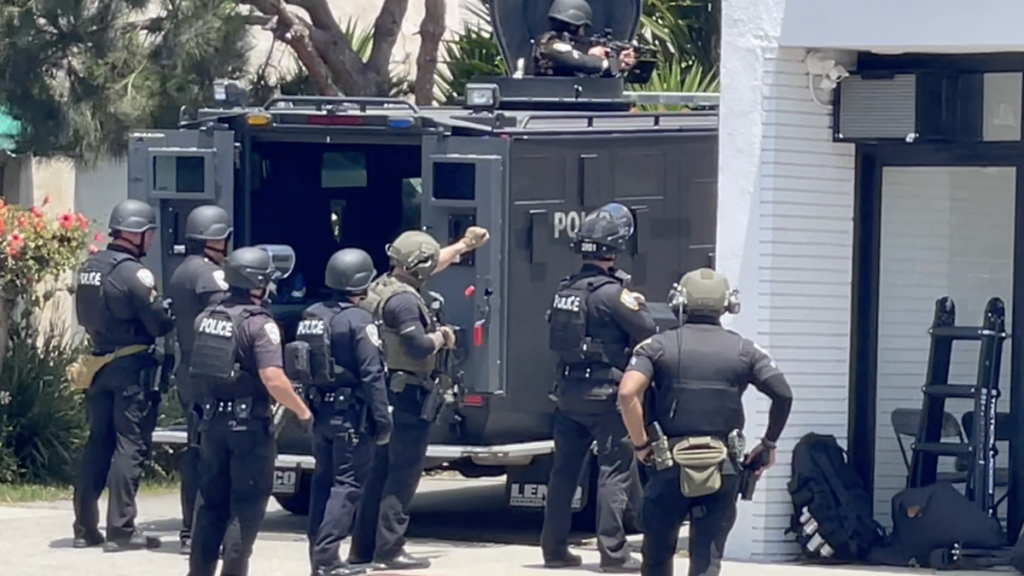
(93, 249)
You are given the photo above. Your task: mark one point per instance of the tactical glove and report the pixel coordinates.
(449, 337)
(307, 424)
(475, 237)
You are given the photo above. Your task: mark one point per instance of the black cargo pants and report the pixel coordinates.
(188, 466)
(664, 510)
(575, 429)
(118, 407)
(392, 486)
(344, 458)
(235, 480)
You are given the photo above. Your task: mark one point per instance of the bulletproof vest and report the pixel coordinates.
(542, 66)
(394, 350)
(310, 358)
(216, 356)
(187, 304)
(700, 382)
(572, 326)
(105, 329)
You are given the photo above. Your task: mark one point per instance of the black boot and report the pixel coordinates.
(569, 560)
(343, 570)
(403, 561)
(138, 541)
(186, 546)
(88, 540)
(631, 565)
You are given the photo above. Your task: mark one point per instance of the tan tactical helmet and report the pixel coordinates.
(704, 292)
(416, 253)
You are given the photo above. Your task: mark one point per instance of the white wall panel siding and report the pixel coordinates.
(945, 231)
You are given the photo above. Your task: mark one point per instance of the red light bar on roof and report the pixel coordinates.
(334, 120)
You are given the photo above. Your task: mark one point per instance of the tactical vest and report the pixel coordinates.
(395, 354)
(310, 358)
(571, 334)
(106, 331)
(216, 356)
(700, 382)
(187, 305)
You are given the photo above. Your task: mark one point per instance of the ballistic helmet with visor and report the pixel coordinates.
(704, 292)
(605, 231)
(416, 253)
(132, 216)
(257, 267)
(350, 270)
(208, 222)
(572, 12)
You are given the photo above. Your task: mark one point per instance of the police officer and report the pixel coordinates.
(564, 50)
(117, 303)
(593, 322)
(346, 389)
(412, 338)
(699, 372)
(198, 282)
(237, 363)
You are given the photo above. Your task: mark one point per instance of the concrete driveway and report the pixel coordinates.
(459, 524)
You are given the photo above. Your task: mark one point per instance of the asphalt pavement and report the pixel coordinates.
(459, 524)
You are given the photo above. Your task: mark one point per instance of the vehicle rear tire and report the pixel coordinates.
(297, 503)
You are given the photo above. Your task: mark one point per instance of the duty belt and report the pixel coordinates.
(241, 408)
(340, 398)
(597, 372)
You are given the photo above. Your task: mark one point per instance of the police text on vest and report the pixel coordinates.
(569, 303)
(217, 327)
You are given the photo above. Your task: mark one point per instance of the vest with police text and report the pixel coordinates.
(395, 353)
(700, 380)
(572, 335)
(313, 337)
(216, 354)
(106, 330)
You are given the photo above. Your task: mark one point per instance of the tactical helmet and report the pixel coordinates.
(249, 268)
(208, 222)
(416, 253)
(604, 231)
(574, 12)
(704, 292)
(132, 216)
(350, 270)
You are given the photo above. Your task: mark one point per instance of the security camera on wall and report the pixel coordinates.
(830, 72)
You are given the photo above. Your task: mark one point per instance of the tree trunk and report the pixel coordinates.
(431, 32)
(5, 328)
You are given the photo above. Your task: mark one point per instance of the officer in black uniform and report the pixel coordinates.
(197, 283)
(565, 51)
(338, 345)
(699, 372)
(117, 303)
(593, 322)
(237, 362)
(412, 338)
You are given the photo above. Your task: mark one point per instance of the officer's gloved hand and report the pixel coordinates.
(475, 237)
(307, 424)
(449, 337)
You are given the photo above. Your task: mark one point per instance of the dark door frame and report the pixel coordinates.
(871, 160)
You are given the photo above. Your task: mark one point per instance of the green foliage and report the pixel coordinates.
(42, 424)
(685, 31)
(79, 74)
(472, 53)
(673, 77)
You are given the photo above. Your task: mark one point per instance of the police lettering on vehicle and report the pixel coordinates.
(568, 223)
(90, 278)
(217, 327)
(567, 302)
(311, 327)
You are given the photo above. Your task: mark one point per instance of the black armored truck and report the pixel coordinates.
(525, 157)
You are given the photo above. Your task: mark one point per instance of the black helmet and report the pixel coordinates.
(132, 216)
(604, 231)
(574, 12)
(249, 269)
(350, 270)
(208, 222)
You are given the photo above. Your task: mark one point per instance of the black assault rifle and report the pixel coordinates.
(447, 378)
(646, 56)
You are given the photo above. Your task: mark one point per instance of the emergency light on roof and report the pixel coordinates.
(334, 120)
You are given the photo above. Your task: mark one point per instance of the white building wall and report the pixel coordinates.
(785, 238)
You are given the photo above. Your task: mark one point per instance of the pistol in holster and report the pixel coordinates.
(432, 404)
(659, 447)
(748, 471)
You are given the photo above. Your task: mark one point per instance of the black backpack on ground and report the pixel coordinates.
(832, 516)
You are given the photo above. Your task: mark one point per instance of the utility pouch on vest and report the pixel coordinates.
(243, 408)
(82, 371)
(296, 362)
(433, 402)
(700, 461)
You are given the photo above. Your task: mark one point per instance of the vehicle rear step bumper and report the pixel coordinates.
(518, 454)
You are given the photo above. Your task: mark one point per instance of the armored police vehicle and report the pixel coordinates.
(525, 158)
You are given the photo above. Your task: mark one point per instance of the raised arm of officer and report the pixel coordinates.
(769, 380)
(629, 311)
(402, 313)
(139, 285)
(369, 355)
(475, 237)
(211, 287)
(263, 337)
(635, 381)
(564, 55)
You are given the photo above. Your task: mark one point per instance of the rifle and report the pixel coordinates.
(646, 56)
(447, 379)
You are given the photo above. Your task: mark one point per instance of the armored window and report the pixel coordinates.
(181, 174)
(343, 170)
(454, 181)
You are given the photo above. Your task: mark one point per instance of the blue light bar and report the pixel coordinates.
(399, 122)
